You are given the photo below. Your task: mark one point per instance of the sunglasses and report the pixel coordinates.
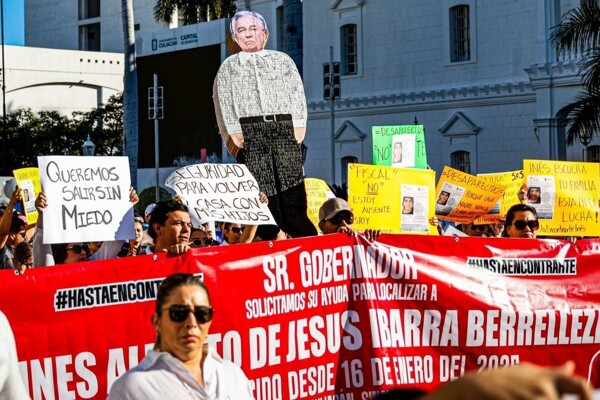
(179, 313)
(338, 218)
(235, 230)
(206, 242)
(77, 248)
(520, 225)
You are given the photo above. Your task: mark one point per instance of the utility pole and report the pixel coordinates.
(155, 112)
(4, 134)
(332, 91)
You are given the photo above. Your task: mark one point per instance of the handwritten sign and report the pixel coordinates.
(28, 180)
(399, 146)
(317, 193)
(461, 197)
(220, 192)
(565, 195)
(512, 182)
(394, 200)
(88, 199)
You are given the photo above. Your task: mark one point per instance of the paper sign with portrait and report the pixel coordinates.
(317, 193)
(512, 181)
(565, 196)
(393, 200)
(88, 199)
(220, 192)
(399, 146)
(461, 197)
(28, 180)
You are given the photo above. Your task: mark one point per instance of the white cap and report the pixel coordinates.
(149, 209)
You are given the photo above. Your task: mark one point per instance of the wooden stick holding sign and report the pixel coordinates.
(88, 199)
(220, 192)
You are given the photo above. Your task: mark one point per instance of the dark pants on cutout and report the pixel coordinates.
(273, 156)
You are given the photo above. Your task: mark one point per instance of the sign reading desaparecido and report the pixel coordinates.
(88, 199)
(220, 192)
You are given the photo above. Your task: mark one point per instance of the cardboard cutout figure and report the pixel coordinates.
(261, 112)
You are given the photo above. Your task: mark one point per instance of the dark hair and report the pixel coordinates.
(23, 252)
(17, 224)
(510, 215)
(59, 252)
(172, 282)
(160, 213)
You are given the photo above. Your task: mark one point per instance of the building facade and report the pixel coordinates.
(60, 80)
(481, 76)
(92, 25)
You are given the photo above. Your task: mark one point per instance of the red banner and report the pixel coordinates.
(309, 318)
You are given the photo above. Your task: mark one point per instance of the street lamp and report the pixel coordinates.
(88, 148)
(585, 138)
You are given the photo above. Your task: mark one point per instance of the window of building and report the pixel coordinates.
(136, 27)
(89, 37)
(461, 160)
(89, 9)
(345, 161)
(460, 33)
(349, 49)
(280, 29)
(593, 154)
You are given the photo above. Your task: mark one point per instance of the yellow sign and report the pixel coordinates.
(317, 192)
(565, 196)
(394, 200)
(28, 180)
(461, 197)
(512, 181)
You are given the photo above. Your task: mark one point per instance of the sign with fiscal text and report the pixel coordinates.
(88, 199)
(394, 200)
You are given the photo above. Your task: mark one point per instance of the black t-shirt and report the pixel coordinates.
(6, 256)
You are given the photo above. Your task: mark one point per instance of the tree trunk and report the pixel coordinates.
(130, 95)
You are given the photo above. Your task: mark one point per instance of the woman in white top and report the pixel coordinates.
(182, 365)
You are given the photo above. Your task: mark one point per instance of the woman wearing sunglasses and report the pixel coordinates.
(182, 365)
(521, 222)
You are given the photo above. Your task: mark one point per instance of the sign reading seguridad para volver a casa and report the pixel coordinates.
(322, 316)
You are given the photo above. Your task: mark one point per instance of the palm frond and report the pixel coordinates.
(583, 116)
(164, 10)
(591, 71)
(579, 29)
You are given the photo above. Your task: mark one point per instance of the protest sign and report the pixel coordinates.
(461, 197)
(332, 315)
(399, 146)
(28, 180)
(393, 200)
(220, 192)
(565, 196)
(317, 193)
(88, 199)
(512, 182)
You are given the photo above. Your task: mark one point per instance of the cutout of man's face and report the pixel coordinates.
(249, 34)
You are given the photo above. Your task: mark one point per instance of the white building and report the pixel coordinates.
(94, 25)
(60, 80)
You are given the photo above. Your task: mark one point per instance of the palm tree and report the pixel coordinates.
(193, 11)
(130, 95)
(579, 32)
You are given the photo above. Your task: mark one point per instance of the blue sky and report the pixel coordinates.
(14, 19)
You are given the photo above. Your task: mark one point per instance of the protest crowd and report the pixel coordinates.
(272, 190)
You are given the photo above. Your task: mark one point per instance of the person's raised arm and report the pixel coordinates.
(7, 217)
